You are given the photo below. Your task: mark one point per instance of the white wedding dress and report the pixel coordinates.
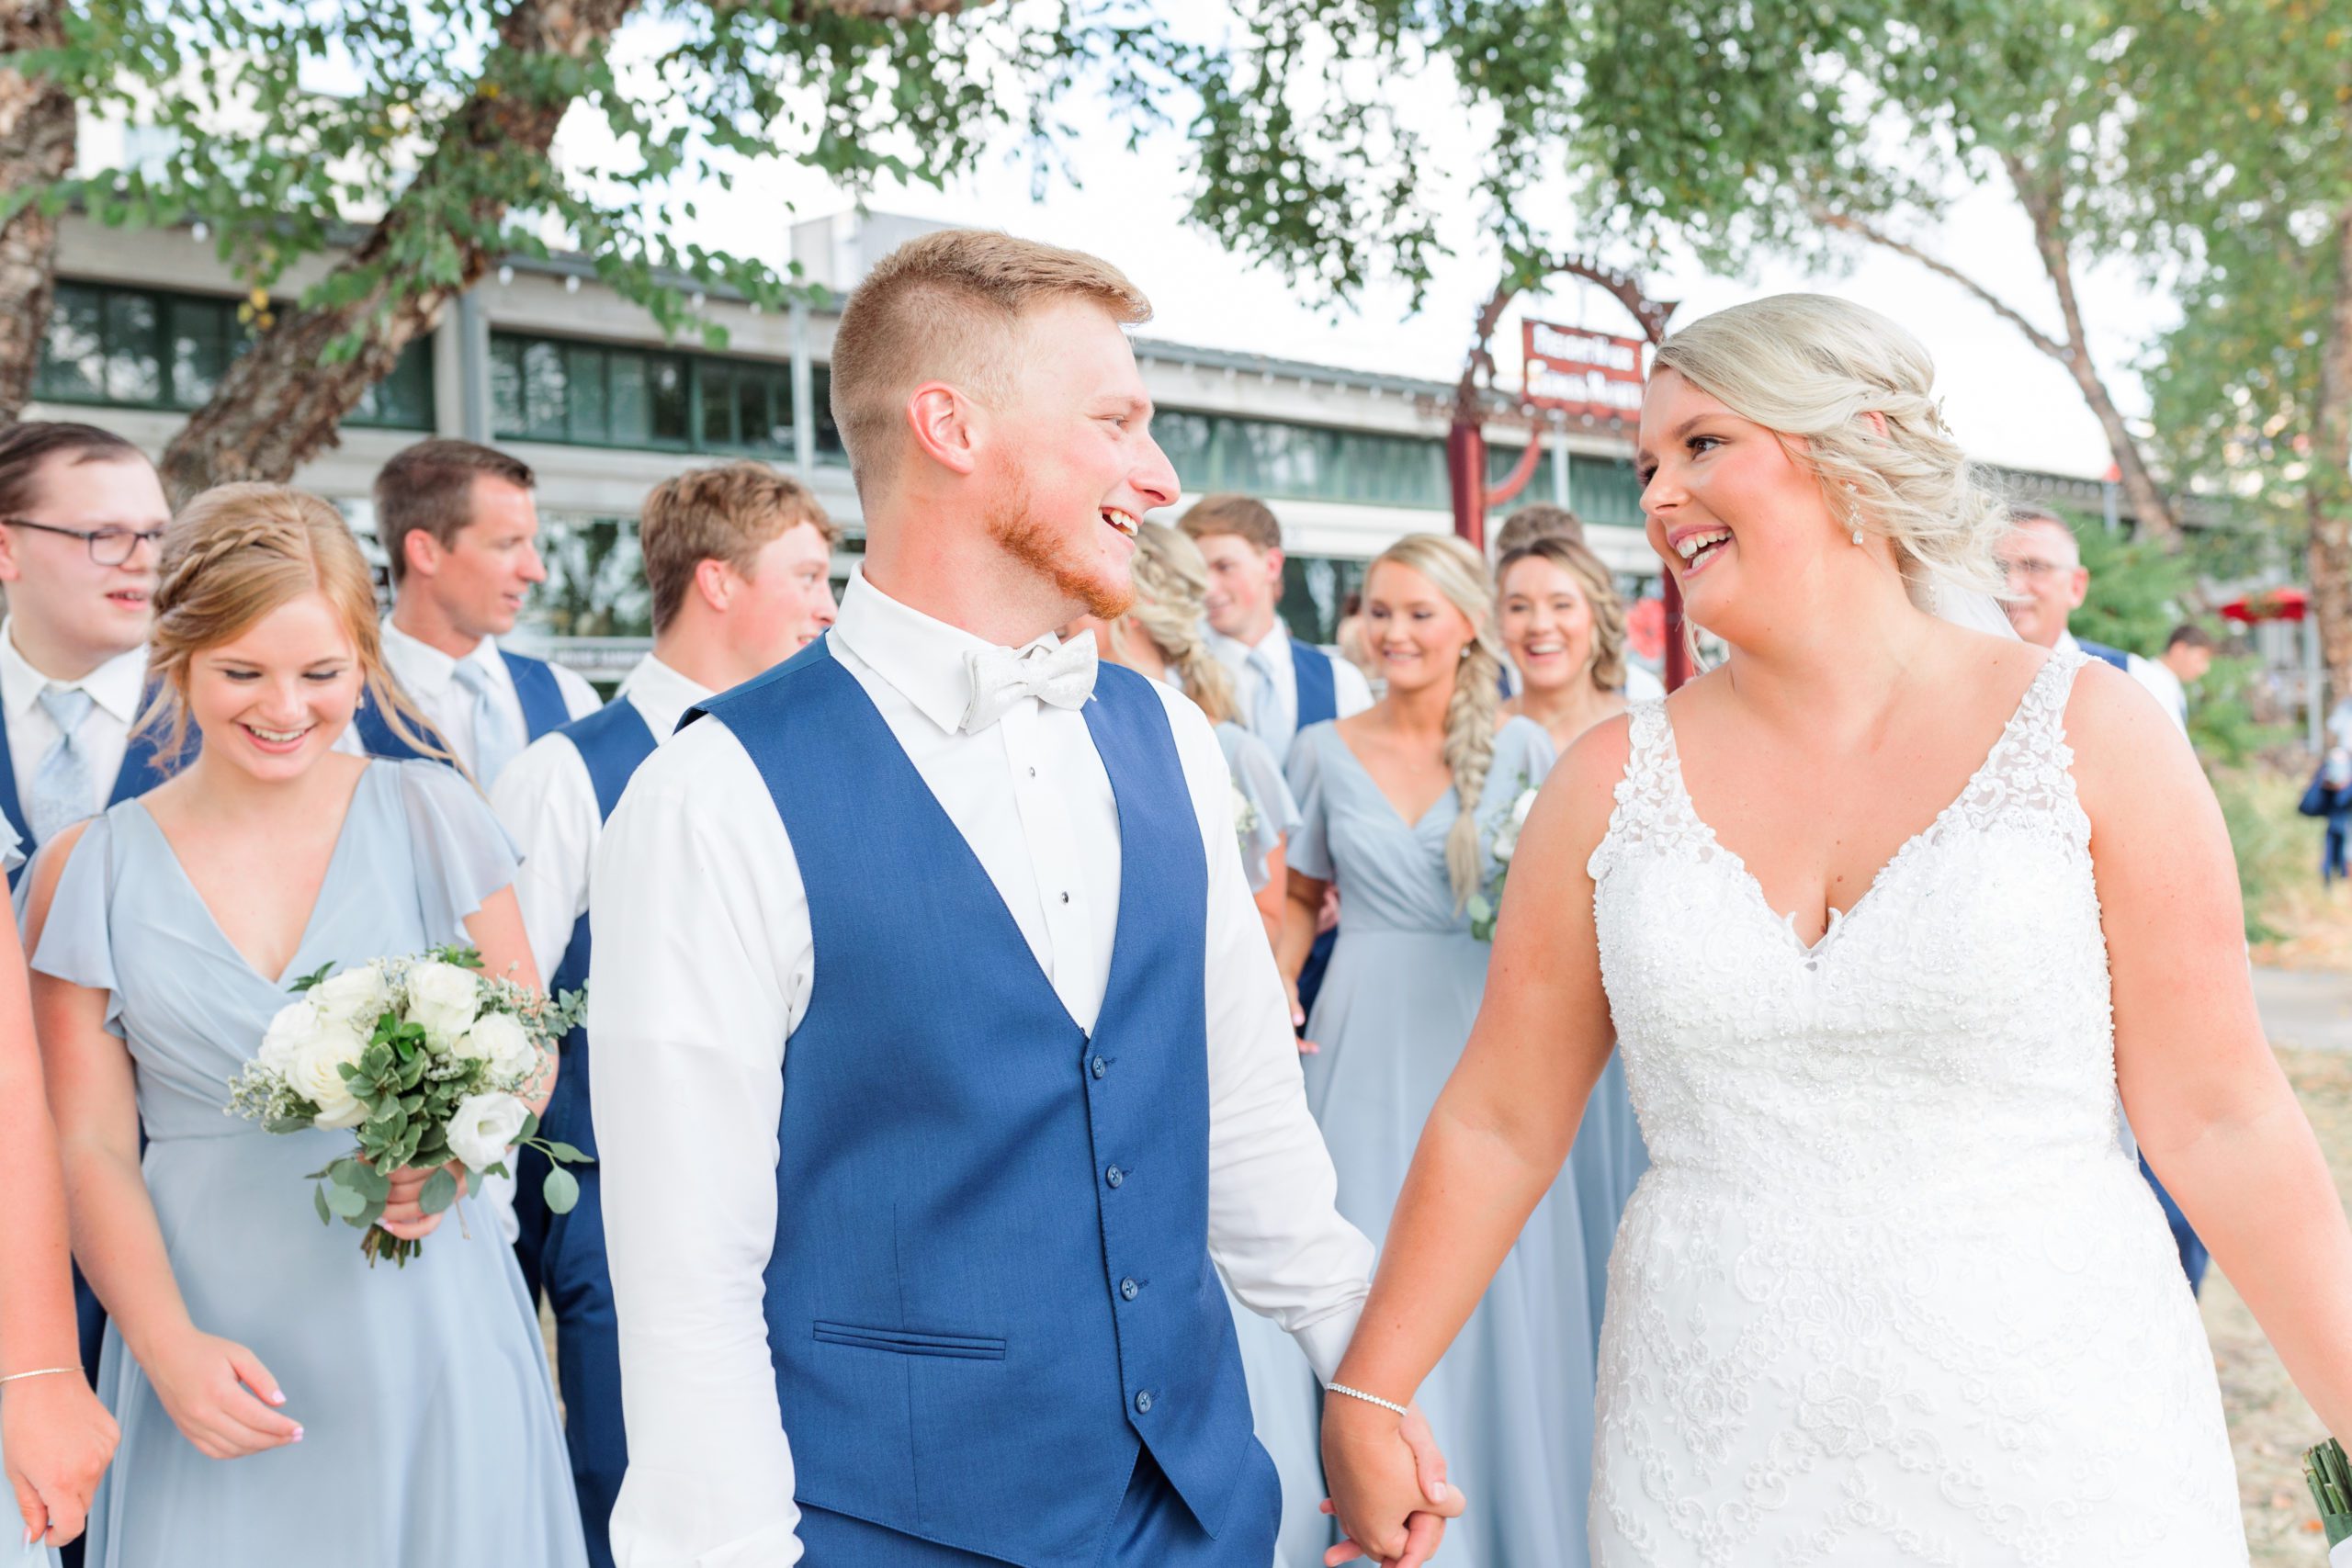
(1892, 1292)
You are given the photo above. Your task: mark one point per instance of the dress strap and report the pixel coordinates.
(1649, 796)
(2031, 771)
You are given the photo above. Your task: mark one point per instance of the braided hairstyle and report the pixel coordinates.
(1172, 583)
(237, 552)
(1459, 574)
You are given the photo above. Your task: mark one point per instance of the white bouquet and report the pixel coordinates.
(1485, 907)
(1245, 816)
(427, 1060)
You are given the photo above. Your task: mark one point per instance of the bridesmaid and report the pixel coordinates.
(55, 1437)
(1162, 635)
(1399, 807)
(404, 1414)
(1564, 628)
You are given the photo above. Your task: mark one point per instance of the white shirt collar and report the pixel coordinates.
(922, 657)
(2067, 643)
(115, 686)
(424, 669)
(661, 694)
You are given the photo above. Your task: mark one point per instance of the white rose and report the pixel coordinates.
(311, 1070)
(356, 998)
(1507, 836)
(483, 1125)
(295, 1023)
(500, 1039)
(446, 1001)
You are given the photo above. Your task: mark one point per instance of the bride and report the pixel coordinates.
(1882, 913)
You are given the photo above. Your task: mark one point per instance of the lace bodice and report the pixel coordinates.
(1892, 1290)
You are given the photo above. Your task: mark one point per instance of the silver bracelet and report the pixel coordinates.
(41, 1372)
(1367, 1398)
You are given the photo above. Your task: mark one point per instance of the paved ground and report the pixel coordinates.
(2306, 1008)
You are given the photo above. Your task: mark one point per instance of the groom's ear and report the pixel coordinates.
(941, 418)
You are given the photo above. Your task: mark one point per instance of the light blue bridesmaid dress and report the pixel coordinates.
(14, 1553)
(429, 1419)
(1258, 778)
(1511, 1402)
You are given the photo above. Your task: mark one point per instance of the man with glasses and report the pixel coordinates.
(2048, 582)
(82, 517)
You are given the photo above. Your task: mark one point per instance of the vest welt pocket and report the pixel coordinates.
(909, 1342)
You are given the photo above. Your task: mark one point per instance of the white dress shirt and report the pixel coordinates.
(549, 806)
(1279, 728)
(428, 677)
(2163, 685)
(704, 965)
(115, 688)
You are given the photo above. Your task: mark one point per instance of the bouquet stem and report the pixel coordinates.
(379, 1243)
(2330, 1479)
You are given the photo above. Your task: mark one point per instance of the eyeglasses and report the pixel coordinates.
(2029, 567)
(108, 547)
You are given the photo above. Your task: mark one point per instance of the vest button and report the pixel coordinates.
(1129, 1288)
(1114, 1175)
(1143, 1403)
(1098, 1066)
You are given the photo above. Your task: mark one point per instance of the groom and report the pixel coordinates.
(939, 1049)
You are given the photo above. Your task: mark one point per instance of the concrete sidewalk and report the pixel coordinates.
(2309, 1008)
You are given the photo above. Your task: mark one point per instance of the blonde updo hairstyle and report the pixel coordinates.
(1810, 368)
(1605, 664)
(236, 553)
(1172, 583)
(1459, 574)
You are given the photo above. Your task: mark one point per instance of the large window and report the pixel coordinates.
(1308, 462)
(152, 349)
(593, 394)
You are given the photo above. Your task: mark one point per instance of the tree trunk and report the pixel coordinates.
(2149, 507)
(37, 124)
(281, 403)
(2328, 498)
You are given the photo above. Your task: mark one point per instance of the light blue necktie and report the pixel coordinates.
(495, 741)
(63, 795)
(1264, 723)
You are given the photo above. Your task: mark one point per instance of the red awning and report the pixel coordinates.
(2270, 604)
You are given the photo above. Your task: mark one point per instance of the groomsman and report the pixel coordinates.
(739, 560)
(82, 516)
(2047, 584)
(459, 525)
(938, 1047)
(1286, 684)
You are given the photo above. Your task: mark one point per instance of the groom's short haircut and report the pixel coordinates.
(2026, 515)
(943, 308)
(728, 513)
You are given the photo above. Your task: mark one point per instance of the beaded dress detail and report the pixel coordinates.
(1892, 1292)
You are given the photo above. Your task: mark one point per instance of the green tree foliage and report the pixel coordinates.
(401, 147)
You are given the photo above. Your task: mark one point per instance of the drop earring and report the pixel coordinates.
(1858, 536)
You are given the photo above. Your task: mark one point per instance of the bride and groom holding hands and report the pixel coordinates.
(943, 1067)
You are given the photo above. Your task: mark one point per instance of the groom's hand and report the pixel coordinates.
(1388, 1484)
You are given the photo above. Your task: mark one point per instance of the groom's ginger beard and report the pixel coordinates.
(1031, 541)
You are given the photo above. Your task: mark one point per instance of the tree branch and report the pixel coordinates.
(1848, 224)
(37, 138)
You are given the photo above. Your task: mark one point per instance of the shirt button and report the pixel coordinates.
(1143, 1402)
(1114, 1175)
(1033, 772)
(1065, 898)
(1129, 1288)
(1098, 1066)
(1812, 963)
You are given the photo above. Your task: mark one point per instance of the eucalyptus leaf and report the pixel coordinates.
(561, 1189)
(440, 1192)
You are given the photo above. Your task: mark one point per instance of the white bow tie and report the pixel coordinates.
(1063, 676)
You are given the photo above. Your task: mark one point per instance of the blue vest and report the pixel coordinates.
(1319, 690)
(990, 1281)
(2105, 654)
(613, 741)
(544, 710)
(143, 769)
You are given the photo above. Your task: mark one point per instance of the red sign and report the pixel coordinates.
(1580, 372)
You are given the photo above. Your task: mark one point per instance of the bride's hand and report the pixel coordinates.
(219, 1395)
(59, 1439)
(1388, 1485)
(402, 1216)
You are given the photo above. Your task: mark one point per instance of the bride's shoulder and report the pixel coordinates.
(1589, 769)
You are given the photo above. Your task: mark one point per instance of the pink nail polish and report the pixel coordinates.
(298, 1434)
